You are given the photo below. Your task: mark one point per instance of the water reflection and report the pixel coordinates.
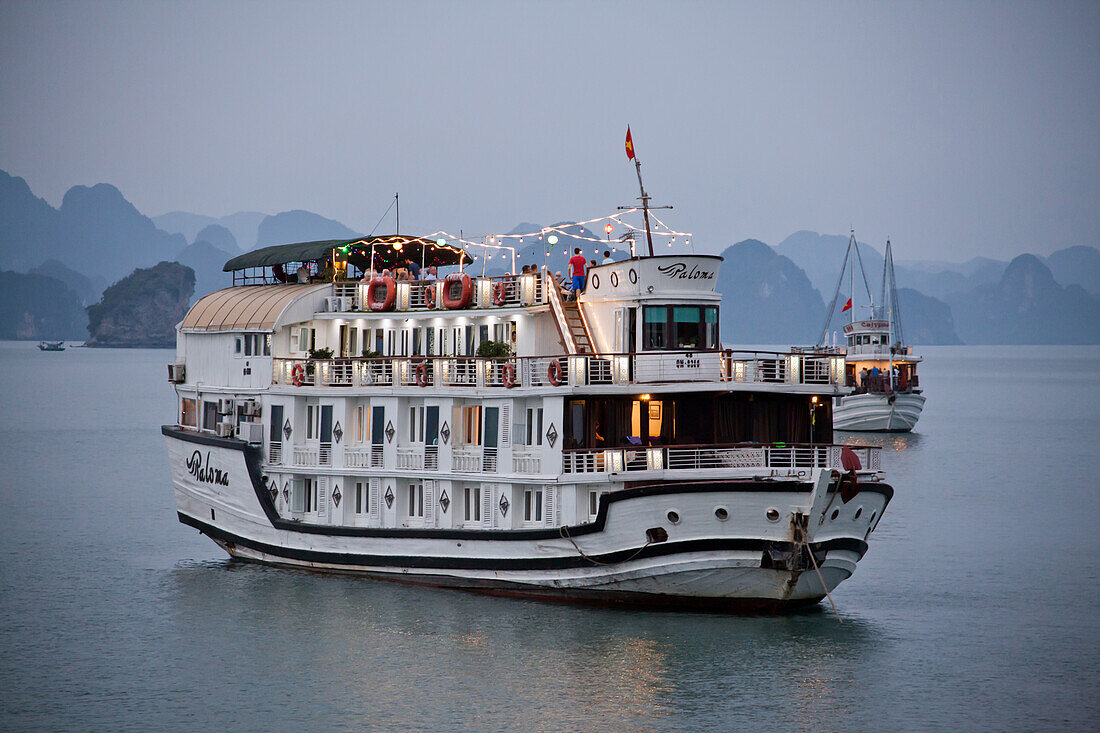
(897, 442)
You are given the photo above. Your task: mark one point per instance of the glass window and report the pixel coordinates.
(237, 348)
(189, 413)
(710, 320)
(532, 505)
(655, 327)
(209, 415)
(471, 511)
(267, 344)
(686, 328)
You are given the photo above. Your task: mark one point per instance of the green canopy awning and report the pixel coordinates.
(389, 250)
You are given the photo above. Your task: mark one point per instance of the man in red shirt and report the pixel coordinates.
(576, 269)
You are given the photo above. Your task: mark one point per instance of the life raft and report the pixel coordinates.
(386, 302)
(508, 375)
(458, 289)
(429, 297)
(297, 374)
(421, 373)
(498, 294)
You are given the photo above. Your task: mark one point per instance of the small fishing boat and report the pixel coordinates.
(52, 345)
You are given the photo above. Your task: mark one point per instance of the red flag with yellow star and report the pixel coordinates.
(629, 144)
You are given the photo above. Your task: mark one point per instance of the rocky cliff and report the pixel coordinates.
(142, 309)
(37, 307)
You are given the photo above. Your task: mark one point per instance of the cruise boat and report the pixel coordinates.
(880, 369)
(491, 434)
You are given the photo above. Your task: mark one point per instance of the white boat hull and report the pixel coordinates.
(877, 412)
(746, 562)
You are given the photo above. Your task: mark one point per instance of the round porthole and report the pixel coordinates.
(834, 515)
(673, 516)
(772, 515)
(858, 512)
(721, 513)
(614, 279)
(595, 281)
(633, 276)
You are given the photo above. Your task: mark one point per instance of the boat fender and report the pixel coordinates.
(498, 294)
(553, 372)
(386, 303)
(429, 297)
(508, 375)
(297, 374)
(465, 286)
(421, 372)
(893, 396)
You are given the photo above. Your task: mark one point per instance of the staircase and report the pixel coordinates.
(569, 318)
(578, 329)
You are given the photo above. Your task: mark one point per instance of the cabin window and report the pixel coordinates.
(362, 498)
(360, 423)
(471, 509)
(416, 424)
(305, 496)
(416, 500)
(593, 503)
(209, 415)
(469, 340)
(471, 425)
(655, 327)
(534, 426)
(267, 344)
(313, 422)
(307, 339)
(378, 340)
(237, 347)
(189, 413)
(532, 505)
(710, 324)
(686, 331)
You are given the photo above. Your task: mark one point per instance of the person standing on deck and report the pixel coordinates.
(576, 269)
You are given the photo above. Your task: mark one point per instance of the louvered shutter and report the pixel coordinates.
(322, 499)
(487, 506)
(548, 506)
(429, 504)
(374, 496)
(506, 424)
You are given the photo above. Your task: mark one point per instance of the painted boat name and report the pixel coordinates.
(205, 472)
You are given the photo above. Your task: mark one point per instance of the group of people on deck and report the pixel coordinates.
(878, 380)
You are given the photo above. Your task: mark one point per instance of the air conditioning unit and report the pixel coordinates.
(335, 304)
(225, 406)
(176, 373)
(224, 430)
(251, 432)
(250, 408)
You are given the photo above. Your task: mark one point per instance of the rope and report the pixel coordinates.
(814, 560)
(564, 532)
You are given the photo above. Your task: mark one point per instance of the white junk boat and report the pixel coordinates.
(880, 369)
(613, 454)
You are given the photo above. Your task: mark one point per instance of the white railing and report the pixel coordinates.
(369, 456)
(694, 458)
(411, 459)
(526, 461)
(577, 370)
(466, 460)
(507, 291)
(305, 456)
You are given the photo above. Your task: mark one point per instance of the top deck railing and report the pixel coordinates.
(505, 291)
(824, 370)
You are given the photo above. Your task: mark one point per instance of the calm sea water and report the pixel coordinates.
(976, 607)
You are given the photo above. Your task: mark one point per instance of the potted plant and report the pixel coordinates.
(317, 354)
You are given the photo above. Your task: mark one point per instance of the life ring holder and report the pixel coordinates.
(498, 293)
(463, 300)
(508, 375)
(391, 293)
(297, 375)
(553, 373)
(420, 371)
(429, 296)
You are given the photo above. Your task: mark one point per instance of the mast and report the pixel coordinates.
(645, 205)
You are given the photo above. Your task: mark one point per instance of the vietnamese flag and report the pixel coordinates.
(629, 144)
(847, 306)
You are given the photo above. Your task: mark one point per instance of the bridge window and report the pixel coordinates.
(680, 327)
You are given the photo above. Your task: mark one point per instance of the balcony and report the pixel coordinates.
(751, 459)
(507, 291)
(659, 367)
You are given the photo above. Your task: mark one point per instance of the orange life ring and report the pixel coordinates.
(297, 374)
(391, 293)
(466, 286)
(429, 296)
(421, 373)
(553, 372)
(498, 294)
(508, 375)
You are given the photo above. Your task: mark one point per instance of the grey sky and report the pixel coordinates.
(958, 129)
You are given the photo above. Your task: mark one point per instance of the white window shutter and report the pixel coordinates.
(506, 425)
(322, 499)
(487, 506)
(429, 504)
(549, 506)
(375, 496)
